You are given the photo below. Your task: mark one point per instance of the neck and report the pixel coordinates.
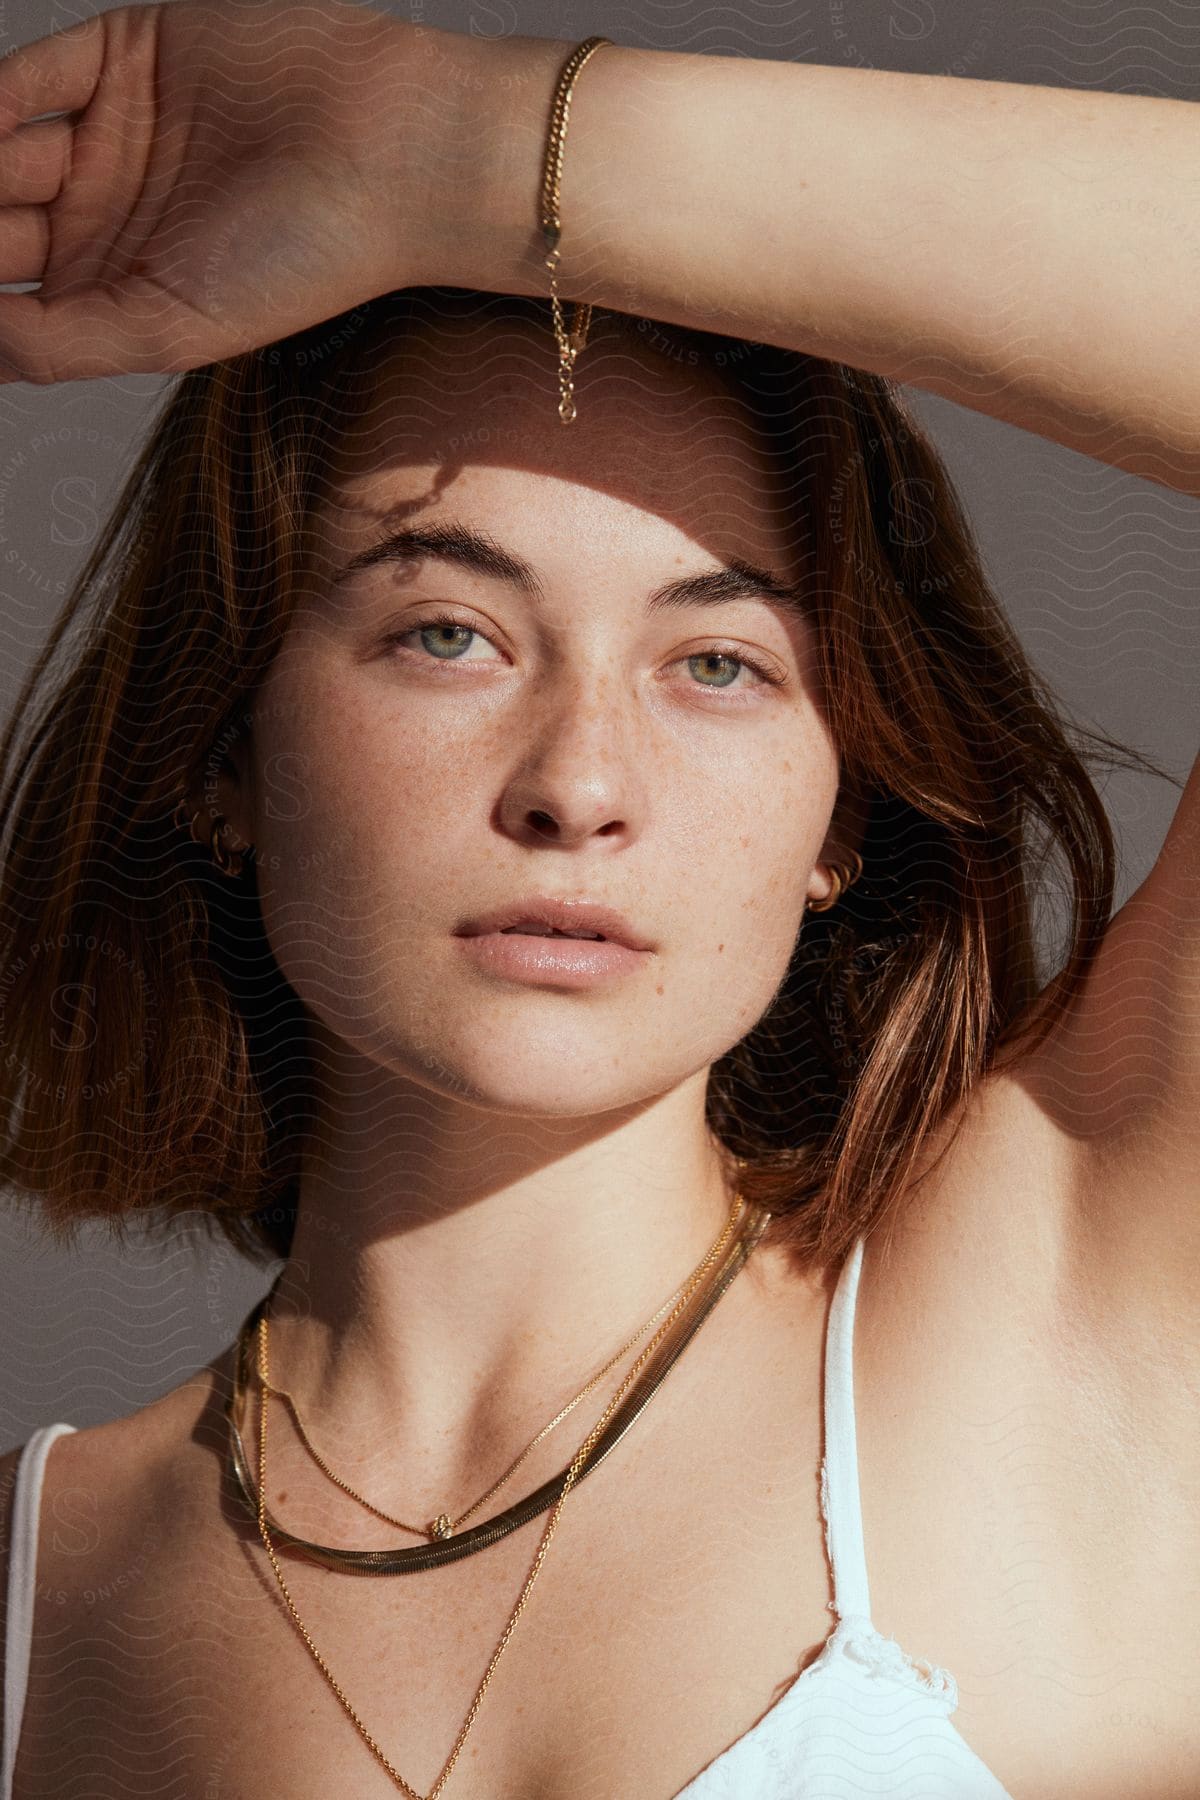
(448, 1291)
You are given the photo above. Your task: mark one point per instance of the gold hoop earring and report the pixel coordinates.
(843, 876)
(228, 862)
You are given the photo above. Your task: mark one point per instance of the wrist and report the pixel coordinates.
(460, 159)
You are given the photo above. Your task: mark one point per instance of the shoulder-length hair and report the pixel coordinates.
(154, 1058)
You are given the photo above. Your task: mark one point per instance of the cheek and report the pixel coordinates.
(340, 772)
(773, 852)
(752, 900)
(736, 936)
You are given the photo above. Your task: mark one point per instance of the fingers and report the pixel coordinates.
(53, 74)
(93, 333)
(34, 161)
(24, 242)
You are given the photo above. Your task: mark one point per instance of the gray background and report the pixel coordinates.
(1097, 569)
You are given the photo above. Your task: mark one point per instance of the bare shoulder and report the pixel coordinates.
(118, 1507)
(114, 1496)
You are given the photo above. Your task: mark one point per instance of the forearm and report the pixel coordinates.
(1030, 252)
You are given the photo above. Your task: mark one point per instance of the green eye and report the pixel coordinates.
(446, 639)
(436, 643)
(733, 663)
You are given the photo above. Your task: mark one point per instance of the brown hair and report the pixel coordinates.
(153, 1054)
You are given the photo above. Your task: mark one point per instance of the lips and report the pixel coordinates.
(528, 929)
(547, 915)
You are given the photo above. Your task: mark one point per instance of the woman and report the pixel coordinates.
(734, 695)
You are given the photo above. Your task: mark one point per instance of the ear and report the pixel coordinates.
(223, 787)
(847, 828)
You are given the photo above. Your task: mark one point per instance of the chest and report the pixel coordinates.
(1026, 1525)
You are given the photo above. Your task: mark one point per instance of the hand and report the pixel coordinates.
(226, 174)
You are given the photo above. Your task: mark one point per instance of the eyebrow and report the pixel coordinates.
(476, 551)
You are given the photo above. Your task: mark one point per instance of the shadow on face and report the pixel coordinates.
(513, 708)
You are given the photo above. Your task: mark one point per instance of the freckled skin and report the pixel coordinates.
(498, 1177)
(422, 787)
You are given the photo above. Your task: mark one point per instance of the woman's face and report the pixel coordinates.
(405, 774)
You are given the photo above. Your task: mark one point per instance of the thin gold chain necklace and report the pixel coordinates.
(443, 1526)
(410, 1559)
(571, 1476)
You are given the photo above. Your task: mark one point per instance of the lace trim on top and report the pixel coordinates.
(857, 1637)
(860, 1641)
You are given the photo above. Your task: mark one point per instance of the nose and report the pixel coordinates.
(578, 774)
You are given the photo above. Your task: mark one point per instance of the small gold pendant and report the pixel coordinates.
(441, 1527)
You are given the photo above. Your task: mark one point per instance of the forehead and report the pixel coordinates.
(475, 404)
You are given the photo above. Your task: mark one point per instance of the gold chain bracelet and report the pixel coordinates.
(569, 343)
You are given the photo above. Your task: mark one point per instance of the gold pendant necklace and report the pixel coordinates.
(578, 1464)
(444, 1526)
(411, 1559)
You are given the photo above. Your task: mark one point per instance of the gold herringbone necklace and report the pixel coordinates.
(443, 1526)
(759, 1219)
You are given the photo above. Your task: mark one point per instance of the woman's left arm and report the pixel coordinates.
(1030, 252)
(218, 175)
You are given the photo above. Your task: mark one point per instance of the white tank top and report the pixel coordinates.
(863, 1720)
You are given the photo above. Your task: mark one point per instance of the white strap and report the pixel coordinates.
(22, 1566)
(840, 1500)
